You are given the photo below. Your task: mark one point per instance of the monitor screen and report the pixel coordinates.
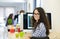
(29, 20)
(49, 18)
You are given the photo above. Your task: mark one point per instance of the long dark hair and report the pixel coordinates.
(10, 16)
(43, 19)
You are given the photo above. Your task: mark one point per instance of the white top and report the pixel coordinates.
(20, 21)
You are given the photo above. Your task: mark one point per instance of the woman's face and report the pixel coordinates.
(36, 15)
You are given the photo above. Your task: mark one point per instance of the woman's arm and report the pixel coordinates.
(40, 31)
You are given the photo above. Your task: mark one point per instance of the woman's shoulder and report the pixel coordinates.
(41, 24)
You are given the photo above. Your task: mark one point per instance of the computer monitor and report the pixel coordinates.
(27, 20)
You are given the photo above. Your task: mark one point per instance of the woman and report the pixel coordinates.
(40, 24)
(10, 20)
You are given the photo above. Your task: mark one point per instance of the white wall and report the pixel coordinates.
(12, 0)
(38, 3)
(30, 5)
(53, 6)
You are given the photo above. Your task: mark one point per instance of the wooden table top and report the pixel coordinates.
(13, 36)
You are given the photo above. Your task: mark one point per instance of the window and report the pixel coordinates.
(4, 13)
(1, 15)
(1, 12)
(9, 10)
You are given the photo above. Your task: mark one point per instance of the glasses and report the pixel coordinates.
(20, 34)
(17, 35)
(36, 14)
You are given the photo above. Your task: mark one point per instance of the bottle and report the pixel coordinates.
(18, 28)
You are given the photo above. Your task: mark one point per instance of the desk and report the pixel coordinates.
(13, 36)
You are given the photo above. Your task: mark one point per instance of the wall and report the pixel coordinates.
(30, 5)
(53, 6)
(12, 1)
